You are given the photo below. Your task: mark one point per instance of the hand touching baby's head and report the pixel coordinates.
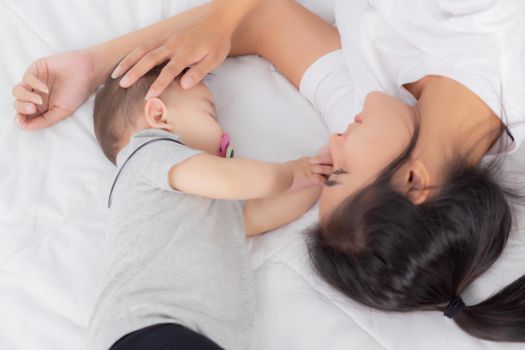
(121, 112)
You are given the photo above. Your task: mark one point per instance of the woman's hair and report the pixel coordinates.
(383, 251)
(116, 110)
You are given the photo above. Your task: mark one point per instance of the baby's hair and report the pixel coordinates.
(116, 110)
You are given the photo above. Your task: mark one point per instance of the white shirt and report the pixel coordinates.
(387, 43)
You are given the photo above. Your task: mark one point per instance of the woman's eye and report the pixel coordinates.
(331, 183)
(340, 172)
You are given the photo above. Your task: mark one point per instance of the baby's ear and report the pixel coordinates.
(155, 113)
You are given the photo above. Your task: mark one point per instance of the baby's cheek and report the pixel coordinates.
(211, 134)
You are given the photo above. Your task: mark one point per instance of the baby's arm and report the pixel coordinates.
(265, 214)
(235, 179)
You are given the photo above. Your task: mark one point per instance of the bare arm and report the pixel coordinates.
(106, 55)
(266, 214)
(241, 179)
(283, 31)
(53, 87)
(199, 39)
(234, 179)
(287, 34)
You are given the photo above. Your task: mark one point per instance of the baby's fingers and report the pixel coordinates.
(325, 159)
(21, 119)
(325, 170)
(320, 180)
(24, 95)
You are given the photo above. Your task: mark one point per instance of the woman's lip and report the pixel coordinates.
(358, 119)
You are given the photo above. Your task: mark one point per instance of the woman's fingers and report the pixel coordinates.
(49, 118)
(166, 76)
(23, 94)
(21, 119)
(130, 60)
(34, 83)
(146, 63)
(196, 73)
(24, 107)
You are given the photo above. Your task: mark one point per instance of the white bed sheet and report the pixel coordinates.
(54, 185)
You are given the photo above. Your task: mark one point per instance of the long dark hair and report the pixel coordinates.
(382, 250)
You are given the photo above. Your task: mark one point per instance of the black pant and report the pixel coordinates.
(166, 336)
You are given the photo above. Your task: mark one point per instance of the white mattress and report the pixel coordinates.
(54, 185)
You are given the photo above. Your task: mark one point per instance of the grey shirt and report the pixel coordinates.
(174, 257)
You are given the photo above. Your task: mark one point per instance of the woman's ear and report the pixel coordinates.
(155, 112)
(417, 182)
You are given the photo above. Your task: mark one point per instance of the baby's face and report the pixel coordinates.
(191, 114)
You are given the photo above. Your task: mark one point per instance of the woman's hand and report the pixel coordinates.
(53, 88)
(202, 46)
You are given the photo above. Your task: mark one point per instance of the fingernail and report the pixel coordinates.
(116, 72)
(38, 100)
(28, 109)
(45, 89)
(149, 95)
(124, 82)
(19, 122)
(187, 82)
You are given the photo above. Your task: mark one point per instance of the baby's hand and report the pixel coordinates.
(308, 171)
(323, 157)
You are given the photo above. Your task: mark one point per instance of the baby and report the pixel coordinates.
(178, 274)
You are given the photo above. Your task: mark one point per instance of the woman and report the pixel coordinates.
(409, 218)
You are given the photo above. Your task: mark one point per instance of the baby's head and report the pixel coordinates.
(190, 114)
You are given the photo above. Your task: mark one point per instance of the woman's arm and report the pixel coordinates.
(287, 34)
(53, 87)
(106, 55)
(284, 32)
(202, 45)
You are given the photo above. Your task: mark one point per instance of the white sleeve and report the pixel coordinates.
(328, 86)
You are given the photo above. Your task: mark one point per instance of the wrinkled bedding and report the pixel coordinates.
(54, 185)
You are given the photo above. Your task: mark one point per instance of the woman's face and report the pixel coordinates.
(377, 136)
